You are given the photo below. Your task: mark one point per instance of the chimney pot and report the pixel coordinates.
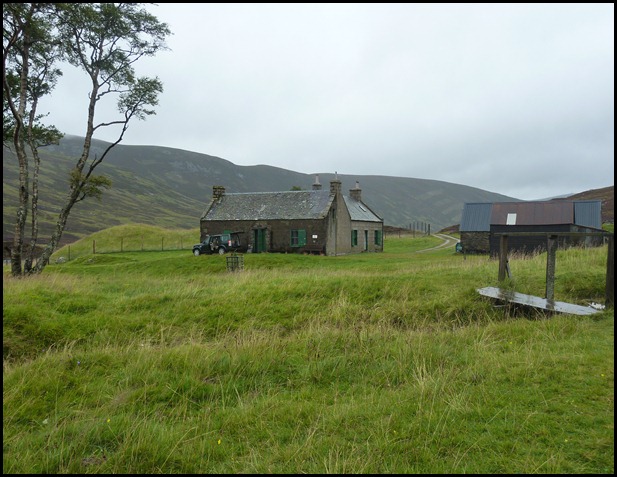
(356, 193)
(316, 184)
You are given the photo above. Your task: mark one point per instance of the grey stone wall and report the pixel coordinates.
(366, 231)
(475, 242)
(278, 233)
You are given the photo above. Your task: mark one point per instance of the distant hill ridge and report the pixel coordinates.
(170, 188)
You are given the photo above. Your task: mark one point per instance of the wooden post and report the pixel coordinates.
(503, 257)
(162, 238)
(610, 273)
(93, 247)
(69, 253)
(551, 248)
(122, 244)
(142, 243)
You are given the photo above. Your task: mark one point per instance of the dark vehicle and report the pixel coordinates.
(220, 243)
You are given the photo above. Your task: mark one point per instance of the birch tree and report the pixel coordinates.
(104, 41)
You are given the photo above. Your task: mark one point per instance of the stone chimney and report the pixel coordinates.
(316, 184)
(335, 185)
(217, 192)
(356, 192)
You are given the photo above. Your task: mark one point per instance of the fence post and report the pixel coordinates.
(121, 244)
(162, 238)
(610, 272)
(93, 247)
(142, 243)
(551, 248)
(69, 253)
(503, 257)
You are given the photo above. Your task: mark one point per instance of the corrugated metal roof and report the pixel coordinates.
(476, 217)
(533, 213)
(289, 205)
(359, 211)
(588, 213)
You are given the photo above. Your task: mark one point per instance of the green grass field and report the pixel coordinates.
(162, 362)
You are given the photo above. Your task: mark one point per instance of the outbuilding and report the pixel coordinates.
(483, 223)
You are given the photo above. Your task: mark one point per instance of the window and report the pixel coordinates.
(298, 238)
(354, 238)
(377, 237)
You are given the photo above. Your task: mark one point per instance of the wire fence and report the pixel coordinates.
(405, 233)
(122, 244)
(149, 243)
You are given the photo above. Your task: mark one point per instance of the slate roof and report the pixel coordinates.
(288, 205)
(359, 211)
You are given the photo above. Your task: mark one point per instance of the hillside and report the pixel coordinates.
(170, 187)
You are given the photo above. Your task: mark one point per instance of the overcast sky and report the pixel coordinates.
(511, 98)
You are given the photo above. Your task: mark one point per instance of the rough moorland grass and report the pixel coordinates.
(382, 363)
(129, 237)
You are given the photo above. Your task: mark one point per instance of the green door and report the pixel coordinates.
(259, 238)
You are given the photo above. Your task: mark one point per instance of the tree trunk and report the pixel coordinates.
(35, 212)
(22, 209)
(20, 152)
(43, 260)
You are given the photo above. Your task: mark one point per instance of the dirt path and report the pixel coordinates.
(448, 241)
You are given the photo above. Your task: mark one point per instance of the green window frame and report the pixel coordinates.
(377, 237)
(298, 238)
(354, 238)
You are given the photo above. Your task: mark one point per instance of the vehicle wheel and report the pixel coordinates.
(196, 252)
(221, 250)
